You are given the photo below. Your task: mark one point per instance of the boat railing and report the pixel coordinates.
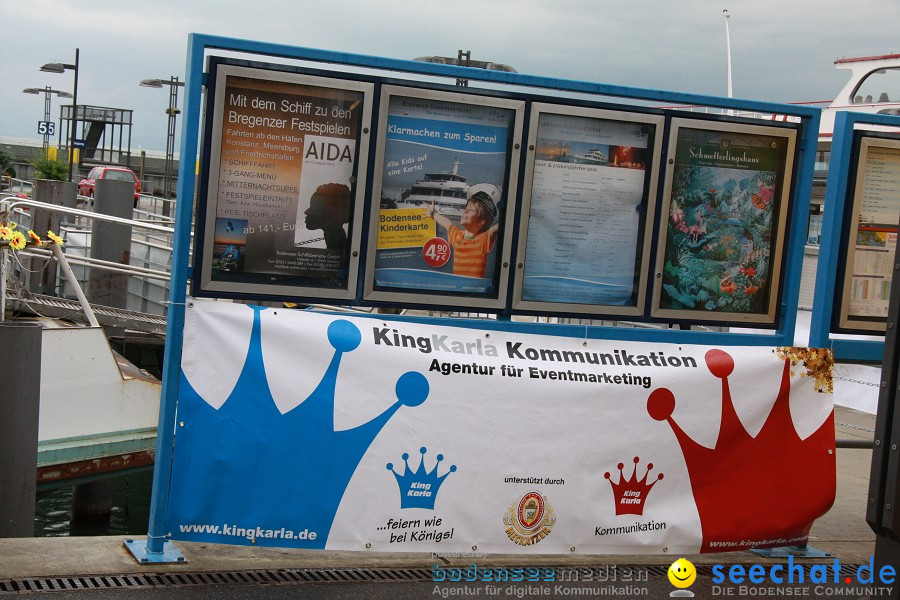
(747, 114)
(150, 254)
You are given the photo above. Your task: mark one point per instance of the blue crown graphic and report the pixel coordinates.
(246, 467)
(419, 489)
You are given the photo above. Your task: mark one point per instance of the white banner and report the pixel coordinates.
(348, 433)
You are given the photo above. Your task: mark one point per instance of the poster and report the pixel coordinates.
(587, 210)
(318, 431)
(282, 186)
(725, 216)
(876, 211)
(444, 194)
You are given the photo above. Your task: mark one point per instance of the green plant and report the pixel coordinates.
(6, 163)
(49, 168)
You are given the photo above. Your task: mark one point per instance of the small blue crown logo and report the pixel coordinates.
(419, 489)
(246, 463)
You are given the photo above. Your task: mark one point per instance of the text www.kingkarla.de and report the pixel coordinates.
(250, 533)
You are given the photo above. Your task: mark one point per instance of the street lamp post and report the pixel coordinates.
(48, 92)
(61, 68)
(172, 111)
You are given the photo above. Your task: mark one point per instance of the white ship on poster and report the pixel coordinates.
(595, 156)
(445, 189)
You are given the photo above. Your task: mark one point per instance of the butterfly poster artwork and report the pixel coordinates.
(727, 196)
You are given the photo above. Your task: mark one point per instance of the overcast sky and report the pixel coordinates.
(782, 50)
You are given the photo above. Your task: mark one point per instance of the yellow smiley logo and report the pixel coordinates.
(682, 573)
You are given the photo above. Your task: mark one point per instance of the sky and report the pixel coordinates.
(782, 51)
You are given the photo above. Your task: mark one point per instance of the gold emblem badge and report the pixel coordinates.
(529, 519)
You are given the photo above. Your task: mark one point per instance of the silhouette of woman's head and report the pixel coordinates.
(329, 209)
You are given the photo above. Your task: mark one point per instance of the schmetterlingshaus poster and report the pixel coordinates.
(444, 193)
(282, 182)
(726, 205)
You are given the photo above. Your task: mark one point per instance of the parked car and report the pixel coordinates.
(86, 185)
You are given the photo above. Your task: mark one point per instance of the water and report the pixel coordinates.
(129, 516)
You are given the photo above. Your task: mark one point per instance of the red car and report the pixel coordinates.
(86, 185)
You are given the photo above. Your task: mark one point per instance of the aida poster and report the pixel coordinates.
(317, 431)
(587, 209)
(444, 190)
(281, 182)
(725, 216)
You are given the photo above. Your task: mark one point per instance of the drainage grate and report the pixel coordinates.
(283, 577)
(25, 585)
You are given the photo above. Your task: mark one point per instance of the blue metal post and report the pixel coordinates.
(157, 549)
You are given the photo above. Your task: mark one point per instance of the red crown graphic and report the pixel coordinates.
(755, 492)
(630, 494)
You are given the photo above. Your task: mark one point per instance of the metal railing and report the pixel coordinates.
(150, 254)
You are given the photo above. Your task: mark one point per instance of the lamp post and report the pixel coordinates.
(62, 68)
(48, 92)
(728, 50)
(172, 111)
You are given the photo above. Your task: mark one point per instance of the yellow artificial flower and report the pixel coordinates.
(17, 241)
(5, 232)
(34, 237)
(55, 238)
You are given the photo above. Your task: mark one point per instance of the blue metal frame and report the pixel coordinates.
(836, 197)
(158, 549)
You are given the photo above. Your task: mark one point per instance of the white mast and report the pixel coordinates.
(728, 49)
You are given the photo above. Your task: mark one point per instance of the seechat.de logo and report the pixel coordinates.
(824, 579)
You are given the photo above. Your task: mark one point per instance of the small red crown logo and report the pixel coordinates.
(630, 494)
(755, 492)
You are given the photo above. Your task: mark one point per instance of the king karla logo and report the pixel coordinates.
(631, 494)
(529, 519)
(246, 464)
(419, 489)
(749, 490)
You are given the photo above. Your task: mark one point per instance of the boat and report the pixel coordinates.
(873, 88)
(445, 189)
(594, 156)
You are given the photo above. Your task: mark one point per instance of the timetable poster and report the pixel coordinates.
(878, 211)
(283, 189)
(585, 219)
(443, 196)
(725, 214)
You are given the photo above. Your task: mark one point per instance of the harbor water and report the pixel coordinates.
(129, 514)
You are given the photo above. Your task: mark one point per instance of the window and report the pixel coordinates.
(879, 87)
(119, 176)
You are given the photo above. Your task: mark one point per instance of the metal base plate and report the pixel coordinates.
(797, 551)
(169, 554)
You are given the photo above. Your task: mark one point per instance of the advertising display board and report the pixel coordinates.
(587, 210)
(287, 164)
(305, 430)
(443, 197)
(873, 212)
(725, 203)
